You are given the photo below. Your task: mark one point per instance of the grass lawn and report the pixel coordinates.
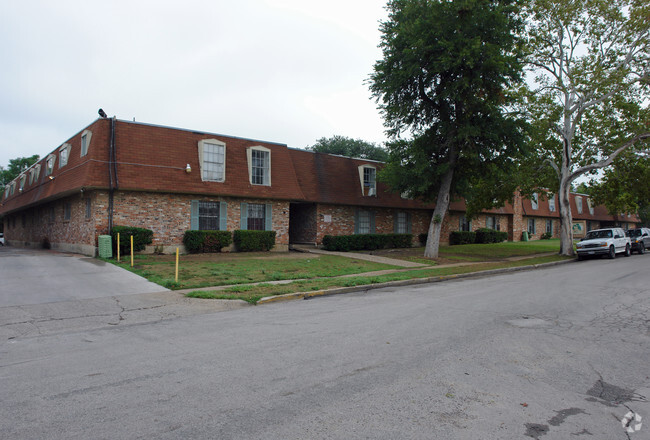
(253, 293)
(317, 272)
(203, 270)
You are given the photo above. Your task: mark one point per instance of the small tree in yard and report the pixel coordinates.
(445, 79)
(590, 96)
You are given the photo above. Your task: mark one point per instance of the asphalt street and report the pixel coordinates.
(556, 353)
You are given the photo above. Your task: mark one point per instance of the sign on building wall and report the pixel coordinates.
(327, 218)
(579, 229)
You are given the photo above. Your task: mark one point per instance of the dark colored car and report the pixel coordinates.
(640, 239)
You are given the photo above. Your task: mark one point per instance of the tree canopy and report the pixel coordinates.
(345, 146)
(444, 89)
(16, 166)
(590, 95)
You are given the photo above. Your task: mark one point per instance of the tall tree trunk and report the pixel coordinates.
(442, 204)
(566, 220)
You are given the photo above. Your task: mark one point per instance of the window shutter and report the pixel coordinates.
(395, 221)
(408, 222)
(356, 221)
(194, 215)
(223, 216)
(268, 220)
(244, 216)
(372, 221)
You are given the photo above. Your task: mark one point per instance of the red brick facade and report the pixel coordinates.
(154, 173)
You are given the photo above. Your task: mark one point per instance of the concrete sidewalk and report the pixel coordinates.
(359, 256)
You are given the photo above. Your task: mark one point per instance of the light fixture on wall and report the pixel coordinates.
(188, 169)
(51, 177)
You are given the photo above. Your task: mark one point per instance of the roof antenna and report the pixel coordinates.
(102, 113)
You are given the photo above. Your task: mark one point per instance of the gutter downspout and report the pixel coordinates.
(112, 172)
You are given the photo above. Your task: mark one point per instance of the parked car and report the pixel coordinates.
(608, 241)
(2, 239)
(639, 238)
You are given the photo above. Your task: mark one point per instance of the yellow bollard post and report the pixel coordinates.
(132, 251)
(118, 247)
(176, 277)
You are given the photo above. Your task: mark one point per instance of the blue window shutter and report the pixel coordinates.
(371, 214)
(268, 220)
(408, 222)
(244, 216)
(356, 221)
(194, 215)
(223, 216)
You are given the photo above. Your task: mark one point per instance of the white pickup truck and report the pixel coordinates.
(609, 241)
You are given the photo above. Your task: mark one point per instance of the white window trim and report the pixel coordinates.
(216, 142)
(372, 192)
(49, 170)
(551, 202)
(34, 173)
(579, 206)
(534, 201)
(249, 158)
(66, 148)
(591, 207)
(89, 135)
(22, 180)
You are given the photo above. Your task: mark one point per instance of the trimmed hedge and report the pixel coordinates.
(141, 238)
(206, 241)
(462, 237)
(486, 235)
(252, 241)
(546, 236)
(358, 242)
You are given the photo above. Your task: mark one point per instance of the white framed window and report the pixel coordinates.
(208, 216)
(531, 226)
(368, 179)
(551, 202)
(256, 216)
(549, 226)
(12, 188)
(34, 173)
(7, 191)
(534, 201)
(49, 164)
(591, 207)
(259, 165)
(22, 180)
(464, 224)
(579, 204)
(85, 141)
(212, 160)
(64, 154)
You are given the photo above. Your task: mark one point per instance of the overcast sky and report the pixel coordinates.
(289, 71)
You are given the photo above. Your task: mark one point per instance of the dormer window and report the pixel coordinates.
(368, 180)
(534, 201)
(49, 164)
(212, 160)
(85, 141)
(34, 173)
(579, 204)
(259, 165)
(23, 178)
(551, 202)
(591, 207)
(64, 153)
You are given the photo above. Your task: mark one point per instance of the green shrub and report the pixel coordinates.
(462, 237)
(486, 235)
(251, 241)
(358, 242)
(141, 238)
(546, 236)
(206, 241)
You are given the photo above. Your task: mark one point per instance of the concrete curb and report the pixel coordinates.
(410, 282)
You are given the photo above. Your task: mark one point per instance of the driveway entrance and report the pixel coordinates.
(35, 276)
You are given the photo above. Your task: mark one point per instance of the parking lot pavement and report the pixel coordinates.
(35, 276)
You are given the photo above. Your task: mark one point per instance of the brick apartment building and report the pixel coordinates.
(169, 180)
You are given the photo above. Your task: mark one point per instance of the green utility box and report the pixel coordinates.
(524, 236)
(105, 246)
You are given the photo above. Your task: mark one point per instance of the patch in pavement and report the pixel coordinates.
(529, 322)
(609, 394)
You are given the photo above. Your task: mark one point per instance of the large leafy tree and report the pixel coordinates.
(590, 94)
(16, 166)
(443, 87)
(345, 146)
